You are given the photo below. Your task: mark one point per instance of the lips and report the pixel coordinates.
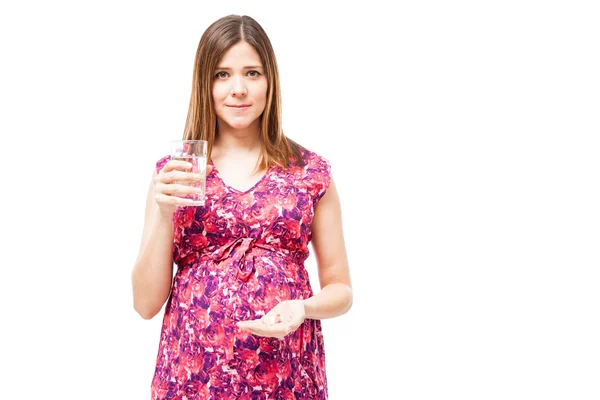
(239, 108)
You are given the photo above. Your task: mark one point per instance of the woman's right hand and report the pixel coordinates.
(174, 181)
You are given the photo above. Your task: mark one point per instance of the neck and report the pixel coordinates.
(231, 140)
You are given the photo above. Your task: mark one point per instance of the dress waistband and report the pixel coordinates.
(243, 262)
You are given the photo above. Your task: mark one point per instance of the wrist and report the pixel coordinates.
(165, 216)
(307, 308)
(163, 221)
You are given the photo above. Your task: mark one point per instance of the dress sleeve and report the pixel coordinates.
(161, 163)
(321, 172)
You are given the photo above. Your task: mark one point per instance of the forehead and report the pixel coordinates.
(238, 55)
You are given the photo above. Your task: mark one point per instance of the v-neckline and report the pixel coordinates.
(231, 188)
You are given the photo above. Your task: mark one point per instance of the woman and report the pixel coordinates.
(241, 320)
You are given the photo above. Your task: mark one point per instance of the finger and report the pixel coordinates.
(177, 165)
(248, 325)
(291, 328)
(272, 319)
(257, 332)
(176, 189)
(251, 329)
(248, 322)
(297, 321)
(271, 330)
(243, 324)
(175, 201)
(266, 320)
(257, 327)
(262, 333)
(178, 176)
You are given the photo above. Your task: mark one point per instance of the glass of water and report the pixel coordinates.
(194, 152)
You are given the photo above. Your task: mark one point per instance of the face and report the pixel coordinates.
(239, 87)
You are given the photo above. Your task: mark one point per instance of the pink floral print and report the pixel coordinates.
(237, 257)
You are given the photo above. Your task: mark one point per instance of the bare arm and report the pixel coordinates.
(152, 273)
(153, 270)
(335, 297)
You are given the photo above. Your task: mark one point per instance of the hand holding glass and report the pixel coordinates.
(195, 153)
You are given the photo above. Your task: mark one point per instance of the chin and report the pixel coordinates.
(239, 124)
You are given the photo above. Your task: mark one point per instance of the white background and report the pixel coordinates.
(463, 139)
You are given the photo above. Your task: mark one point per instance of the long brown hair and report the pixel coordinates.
(201, 122)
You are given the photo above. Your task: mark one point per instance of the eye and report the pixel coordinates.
(254, 73)
(221, 74)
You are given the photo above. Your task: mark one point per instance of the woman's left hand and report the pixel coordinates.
(282, 320)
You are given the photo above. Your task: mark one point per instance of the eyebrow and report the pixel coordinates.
(247, 67)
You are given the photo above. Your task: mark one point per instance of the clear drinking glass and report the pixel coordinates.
(194, 152)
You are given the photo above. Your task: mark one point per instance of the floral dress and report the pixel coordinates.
(237, 257)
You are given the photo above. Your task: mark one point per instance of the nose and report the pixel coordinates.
(239, 87)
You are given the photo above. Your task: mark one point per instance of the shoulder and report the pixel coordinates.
(314, 161)
(317, 173)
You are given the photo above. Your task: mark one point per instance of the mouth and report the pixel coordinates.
(239, 107)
